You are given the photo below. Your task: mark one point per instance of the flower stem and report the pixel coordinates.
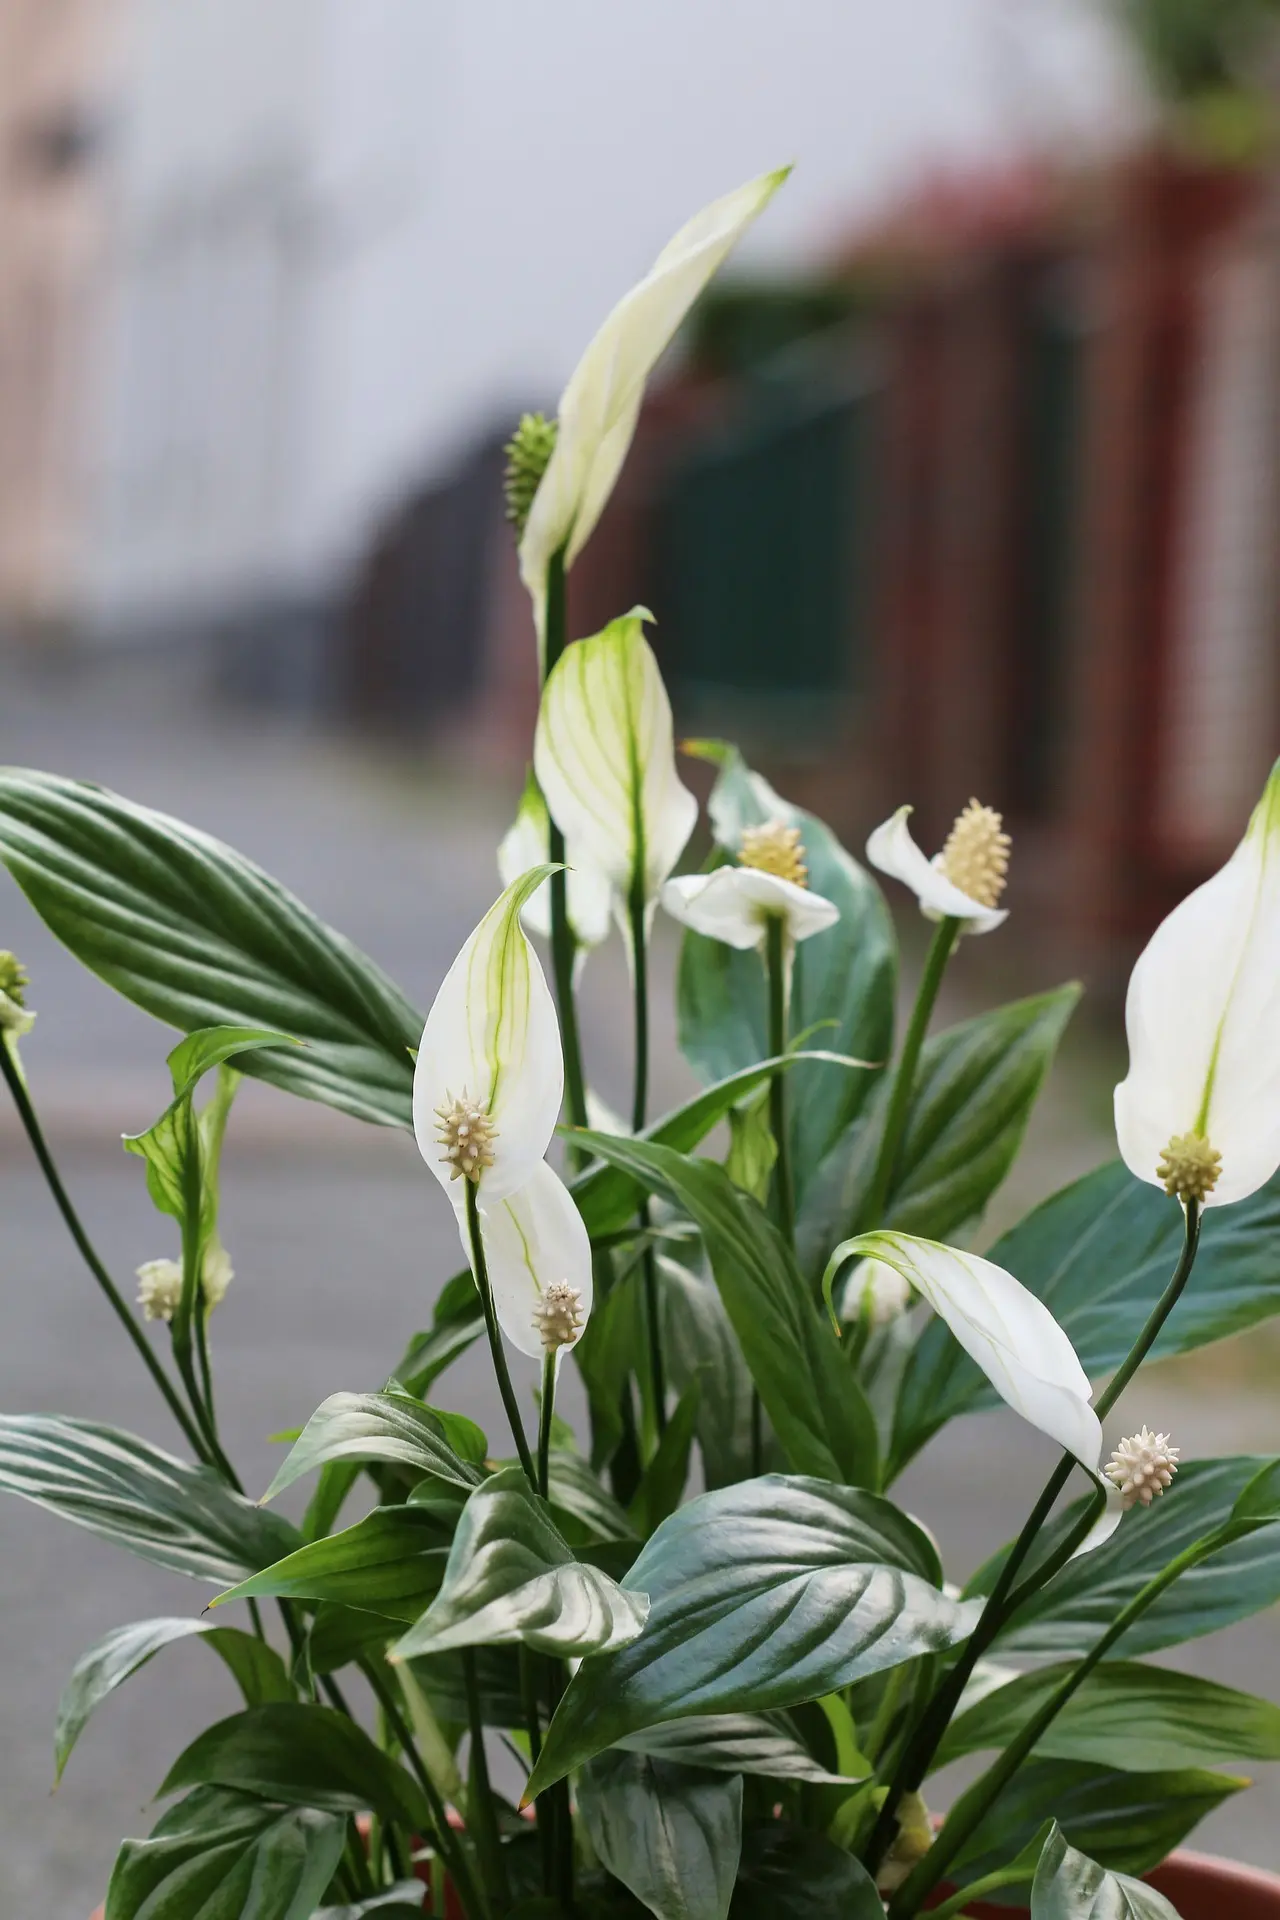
(562, 939)
(481, 1812)
(480, 1268)
(27, 1114)
(1004, 1598)
(546, 1417)
(776, 971)
(639, 1111)
(904, 1080)
(450, 1849)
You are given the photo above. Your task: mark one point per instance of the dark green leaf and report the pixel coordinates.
(755, 1743)
(669, 1832)
(1099, 1254)
(1068, 1615)
(337, 1635)
(700, 1344)
(1070, 1886)
(1127, 1821)
(456, 1324)
(762, 1595)
(391, 1563)
(258, 1671)
(440, 1675)
(787, 1874)
(976, 1086)
(198, 936)
(815, 1406)
(1135, 1717)
(304, 1756)
(585, 1511)
(377, 1426)
(664, 1478)
(181, 1517)
(512, 1577)
(225, 1856)
(842, 985)
(402, 1902)
(326, 1503)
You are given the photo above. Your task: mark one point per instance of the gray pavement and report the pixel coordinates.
(340, 1240)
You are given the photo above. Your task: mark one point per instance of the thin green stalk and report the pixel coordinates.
(481, 1269)
(639, 1113)
(546, 1417)
(977, 1802)
(533, 1727)
(482, 1818)
(561, 1814)
(1004, 1599)
(27, 1114)
(904, 1082)
(563, 943)
(776, 974)
(449, 1848)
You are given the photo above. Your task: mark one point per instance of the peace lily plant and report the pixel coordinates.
(692, 1658)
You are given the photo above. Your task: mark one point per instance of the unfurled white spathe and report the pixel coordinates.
(736, 905)
(533, 1240)
(604, 754)
(601, 404)
(524, 845)
(892, 849)
(492, 1038)
(1010, 1334)
(1203, 1021)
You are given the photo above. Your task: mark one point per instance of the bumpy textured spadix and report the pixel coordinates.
(964, 881)
(1203, 1020)
(601, 404)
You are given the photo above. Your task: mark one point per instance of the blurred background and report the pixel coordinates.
(961, 480)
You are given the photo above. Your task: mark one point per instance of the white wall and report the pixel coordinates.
(348, 231)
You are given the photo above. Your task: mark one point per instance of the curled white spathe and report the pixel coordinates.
(492, 1034)
(1203, 1021)
(600, 405)
(533, 1239)
(736, 905)
(524, 845)
(892, 849)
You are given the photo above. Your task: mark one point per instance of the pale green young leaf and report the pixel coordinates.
(391, 1563)
(388, 1426)
(1070, 1886)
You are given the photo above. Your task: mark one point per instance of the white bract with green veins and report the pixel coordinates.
(1199, 1110)
(601, 404)
(486, 1096)
(524, 845)
(604, 754)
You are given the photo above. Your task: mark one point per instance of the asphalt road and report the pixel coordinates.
(340, 1241)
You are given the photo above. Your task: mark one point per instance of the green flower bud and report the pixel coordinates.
(528, 451)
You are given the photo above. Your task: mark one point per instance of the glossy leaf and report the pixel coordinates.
(199, 936)
(663, 1481)
(456, 1324)
(256, 1667)
(584, 1510)
(1070, 1886)
(814, 1405)
(1099, 1254)
(440, 1676)
(377, 1426)
(229, 1857)
(842, 987)
(512, 1577)
(670, 1833)
(391, 1562)
(976, 1086)
(787, 1874)
(761, 1595)
(1139, 1718)
(755, 1743)
(1070, 1613)
(700, 1344)
(123, 1488)
(1126, 1821)
(304, 1756)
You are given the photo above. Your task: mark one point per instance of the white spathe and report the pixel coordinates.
(736, 904)
(600, 405)
(524, 845)
(492, 1034)
(892, 849)
(1003, 1327)
(604, 754)
(532, 1239)
(1203, 1021)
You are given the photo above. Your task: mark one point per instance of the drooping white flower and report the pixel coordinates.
(735, 904)
(160, 1283)
(535, 1242)
(489, 1074)
(604, 754)
(524, 845)
(964, 881)
(876, 1291)
(1199, 1110)
(1010, 1333)
(600, 405)
(1143, 1466)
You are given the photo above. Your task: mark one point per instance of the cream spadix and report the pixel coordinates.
(604, 754)
(601, 403)
(964, 881)
(489, 1075)
(1199, 1109)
